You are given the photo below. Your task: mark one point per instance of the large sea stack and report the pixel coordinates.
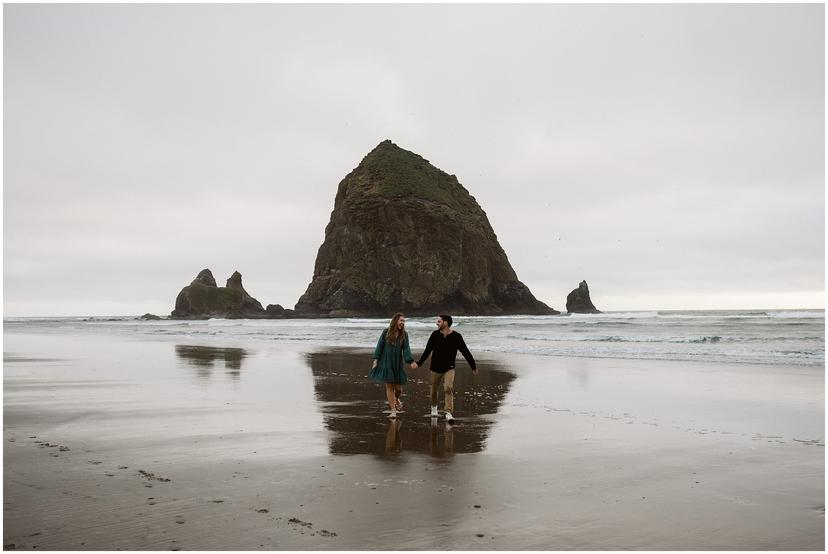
(202, 299)
(579, 302)
(407, 236)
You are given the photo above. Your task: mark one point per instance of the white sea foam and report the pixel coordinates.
(811, 314)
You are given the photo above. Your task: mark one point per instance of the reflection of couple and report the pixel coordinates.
(393, 347)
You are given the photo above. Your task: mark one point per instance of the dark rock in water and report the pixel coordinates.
(276, 311)
(407, 236)
(578, 301)
(150, 317)
(202, 299)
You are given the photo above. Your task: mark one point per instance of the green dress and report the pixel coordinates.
(389, 358)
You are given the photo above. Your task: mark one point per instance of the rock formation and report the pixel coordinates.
(202, 299)
(407, 236)
(578, 301)
(149, 317)
(276, 311)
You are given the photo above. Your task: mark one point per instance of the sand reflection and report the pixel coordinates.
(204, 358)
(352, 407)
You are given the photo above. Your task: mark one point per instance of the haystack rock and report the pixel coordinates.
(406, 236)
(202, 299)
(578, 301)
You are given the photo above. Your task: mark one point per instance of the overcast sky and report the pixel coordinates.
(672, 156)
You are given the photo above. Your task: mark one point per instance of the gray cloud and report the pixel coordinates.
(672, 155)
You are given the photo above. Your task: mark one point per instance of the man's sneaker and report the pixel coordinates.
(449, 417)
(434, 411)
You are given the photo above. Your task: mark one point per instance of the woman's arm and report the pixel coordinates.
(407, 350)
(378, 349)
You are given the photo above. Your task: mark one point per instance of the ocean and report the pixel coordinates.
(777, 337)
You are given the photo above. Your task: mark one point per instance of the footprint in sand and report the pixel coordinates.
(152, 476)
(180, 519)
(217, 501)
(263, 511)
(297, 521)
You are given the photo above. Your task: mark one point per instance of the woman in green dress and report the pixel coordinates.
(392, 348)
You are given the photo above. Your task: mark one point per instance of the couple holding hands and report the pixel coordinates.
(393, 346)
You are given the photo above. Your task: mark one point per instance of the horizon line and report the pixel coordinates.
(420, 317)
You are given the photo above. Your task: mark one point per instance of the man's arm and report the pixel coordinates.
(464, 350)
(429, 347)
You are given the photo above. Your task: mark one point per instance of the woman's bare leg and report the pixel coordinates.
(397, 395)
(389, 394)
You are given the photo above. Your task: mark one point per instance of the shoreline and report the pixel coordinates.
(780, 339)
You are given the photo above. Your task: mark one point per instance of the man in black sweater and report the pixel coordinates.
(445, 343)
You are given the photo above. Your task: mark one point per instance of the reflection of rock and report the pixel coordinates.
(204, 357)
(202, 299)
(353, 407)
(578, 301)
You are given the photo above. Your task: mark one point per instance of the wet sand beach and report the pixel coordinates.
(116, 443)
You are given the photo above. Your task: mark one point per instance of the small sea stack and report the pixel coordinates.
(203, 299)
(579, 302)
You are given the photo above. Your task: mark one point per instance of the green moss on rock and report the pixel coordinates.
(200, 299)
(397, 173)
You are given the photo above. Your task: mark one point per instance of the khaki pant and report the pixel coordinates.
(447, 379)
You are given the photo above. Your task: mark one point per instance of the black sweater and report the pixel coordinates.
(445, 351)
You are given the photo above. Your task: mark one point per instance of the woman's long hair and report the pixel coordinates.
(394, 335)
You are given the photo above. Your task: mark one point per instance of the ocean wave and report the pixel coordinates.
(614, 315)
(800, 352)
(757, 336)
(713, 339)
(705, 339)
(798, 315)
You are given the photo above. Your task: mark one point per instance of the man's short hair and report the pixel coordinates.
(446, 318)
